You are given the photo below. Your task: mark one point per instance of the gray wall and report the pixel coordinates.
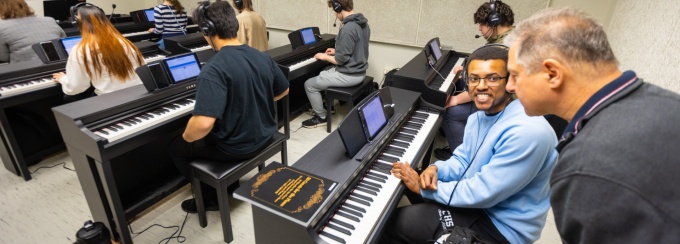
(644, 36)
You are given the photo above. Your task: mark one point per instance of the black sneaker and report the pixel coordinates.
(313, 122)
(443, 153)
(189, 206)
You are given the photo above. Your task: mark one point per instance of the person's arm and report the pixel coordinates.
(283, 94)
(76, 80)
(461, 98)
(158, 21)
(198, 127)
(519, 156)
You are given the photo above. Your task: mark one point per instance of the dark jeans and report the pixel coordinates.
(183, 152)
(455, 121)
(420, 223)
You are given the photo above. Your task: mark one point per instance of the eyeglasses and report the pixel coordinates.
(490, 81)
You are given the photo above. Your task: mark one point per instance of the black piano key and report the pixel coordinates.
(400, 144)
(395, 148)
(405, 137)
(143, 116)
(367, 186)
(335, 238)
(338, 229)
(381, 172)
(382, 169)
(119, 127)
(350, 217)
(377, 176)
(417, 120)
(352, 212)
(409, 131)
(355, 207)
(112, 128)
(360, 197)
(419, 115)
(342, 223)
(137, 120)
(357, 200)
(376, 179)
(376, 185)
(364, 190)
(394, 153)
(389, 158)
(103, 132)
(126, 123)
(413, 125)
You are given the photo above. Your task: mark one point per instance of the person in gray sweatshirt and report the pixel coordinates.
(350, 58)
(20, 28)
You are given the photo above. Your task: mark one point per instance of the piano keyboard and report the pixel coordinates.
(154, 58)
(125, 127)
(136, 33)
(302, 64)
(355, 218)
(22, 87)
(193, 50)
(449, 79)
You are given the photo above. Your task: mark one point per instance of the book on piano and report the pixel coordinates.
(288, 192)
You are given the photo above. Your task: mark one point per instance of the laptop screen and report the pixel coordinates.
(69, 42)
(373, 117)
(149, 15)
(307, 36)
(183, 67)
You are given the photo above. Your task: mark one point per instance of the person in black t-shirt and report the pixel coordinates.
(234, 115)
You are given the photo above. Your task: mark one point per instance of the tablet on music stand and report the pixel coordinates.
(373, 117)
(182, 67)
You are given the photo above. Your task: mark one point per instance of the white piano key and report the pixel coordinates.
(302, 64)
(146, 123)
(449, 79)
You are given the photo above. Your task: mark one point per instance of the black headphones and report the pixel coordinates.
(238, 3)
(74, 12)
(494, 17)
(337, 6)
(207, 27)
(466, 61)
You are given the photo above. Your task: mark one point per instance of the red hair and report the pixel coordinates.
(107, 47)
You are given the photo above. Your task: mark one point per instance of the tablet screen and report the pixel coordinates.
(182, 67)
(373, 117)
(149, 15)
(307, 36)
(69, 42)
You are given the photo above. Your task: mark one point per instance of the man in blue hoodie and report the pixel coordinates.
(350, 58)
(496, 182)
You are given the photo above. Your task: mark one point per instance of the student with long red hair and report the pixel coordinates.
(103, 58)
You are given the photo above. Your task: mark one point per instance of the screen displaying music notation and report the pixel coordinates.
(374, 116)
(149, 15)
(183, 67)
(69, 42)
(308, 36)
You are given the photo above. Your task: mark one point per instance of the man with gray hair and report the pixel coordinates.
(617, 176)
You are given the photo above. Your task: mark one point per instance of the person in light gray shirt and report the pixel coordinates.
(20, 29)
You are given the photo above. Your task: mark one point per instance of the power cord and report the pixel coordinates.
(180, 238)
(63, 164)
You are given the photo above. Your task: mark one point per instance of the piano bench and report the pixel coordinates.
(220, 175)
(346, 94)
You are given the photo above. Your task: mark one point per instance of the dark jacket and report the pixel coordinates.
(618, 179)
(351, 45)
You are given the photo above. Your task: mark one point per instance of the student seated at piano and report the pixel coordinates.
(496, 183)
(170, 20)
(103, 59)
(350, 58)
(234, 117)
(460, 106)
(252, 29)
(20, 29)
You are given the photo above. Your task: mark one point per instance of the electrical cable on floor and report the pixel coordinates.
(180, 238)
(63, 164)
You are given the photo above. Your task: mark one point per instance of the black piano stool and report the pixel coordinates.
(346, 94)
(221, 175)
